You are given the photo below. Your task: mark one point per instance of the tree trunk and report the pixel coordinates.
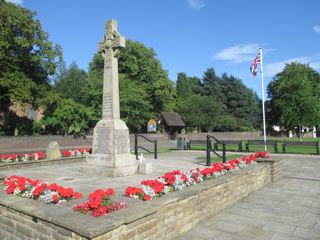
(300, 133)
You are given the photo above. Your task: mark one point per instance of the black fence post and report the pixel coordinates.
(156, 149)
(136, 146)
(224, 153)
(208, 150)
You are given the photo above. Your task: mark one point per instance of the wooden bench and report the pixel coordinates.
(273, 143)
(229, 142)
(197, 143)
(301, 144)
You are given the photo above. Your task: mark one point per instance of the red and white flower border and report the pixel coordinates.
(39, 190)
(177, 180)
(25, 157)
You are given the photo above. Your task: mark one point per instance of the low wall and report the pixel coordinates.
(31, 144)
(163, 218)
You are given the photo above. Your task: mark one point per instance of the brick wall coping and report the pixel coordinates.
(61, 215)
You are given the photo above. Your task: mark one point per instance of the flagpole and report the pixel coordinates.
(262, 93)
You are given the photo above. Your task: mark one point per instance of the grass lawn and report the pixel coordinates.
(289, 149)
(253, 148)
(160, 150)
(293, 139)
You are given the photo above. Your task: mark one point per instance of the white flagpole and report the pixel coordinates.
(262, 93)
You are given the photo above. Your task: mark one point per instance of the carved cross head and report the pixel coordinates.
(112, 40)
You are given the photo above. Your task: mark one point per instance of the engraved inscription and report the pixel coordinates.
(103, 141)
(107, 106)
(122, 141)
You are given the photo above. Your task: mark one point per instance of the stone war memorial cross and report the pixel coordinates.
(111, 145)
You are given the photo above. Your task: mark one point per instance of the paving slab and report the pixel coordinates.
(286, 209)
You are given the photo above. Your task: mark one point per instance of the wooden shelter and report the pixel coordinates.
(171, 123)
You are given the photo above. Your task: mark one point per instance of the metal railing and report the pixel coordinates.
(210, 149)
(136, 146)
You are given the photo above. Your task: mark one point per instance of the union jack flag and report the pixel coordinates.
(253, 67)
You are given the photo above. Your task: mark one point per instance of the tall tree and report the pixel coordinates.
(295, 97)
(141, 77)
(186, 86)
(135, 106)
(27, 56)
(140, 64)
(211, 83)
(203, 112)
(240, 101)
(71, 82)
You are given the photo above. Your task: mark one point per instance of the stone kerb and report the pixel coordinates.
(171, 214)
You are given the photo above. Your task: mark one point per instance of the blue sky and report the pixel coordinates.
(191, 35)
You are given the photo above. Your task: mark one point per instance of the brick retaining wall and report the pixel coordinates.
(163, 218)
(31, 144)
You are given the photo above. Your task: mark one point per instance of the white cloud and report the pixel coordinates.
(18, 2)
(316, 29)
(239, 53)
(272, 69)
(196, 4)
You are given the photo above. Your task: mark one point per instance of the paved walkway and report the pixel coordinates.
(287, 209)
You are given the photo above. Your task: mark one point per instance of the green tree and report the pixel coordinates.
(64, 117)
(295, 97)
(203, 112)
(135, 107)
(241, 102)
(141, 77)
(27, 57)
(140, 64)
(71, 82)
(92, 92)
(186, 86)
(211, 83)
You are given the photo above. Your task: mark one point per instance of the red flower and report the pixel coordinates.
(35, 182)
(146, 197)
(10, 190)
(109, 192)
(131, 191)
(95, 198)
(155, 184)
(195, 176)
(67, 193)
(39, 190)
(77, 195)
(55, 198)
(169, 178)
(53, 187)
(184, 177)
(100, 211)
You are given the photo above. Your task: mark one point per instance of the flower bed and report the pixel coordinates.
(100, 203)
(39, 190)
(11, 158)
(177, 180)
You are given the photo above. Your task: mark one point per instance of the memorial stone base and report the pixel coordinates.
(111, 151)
